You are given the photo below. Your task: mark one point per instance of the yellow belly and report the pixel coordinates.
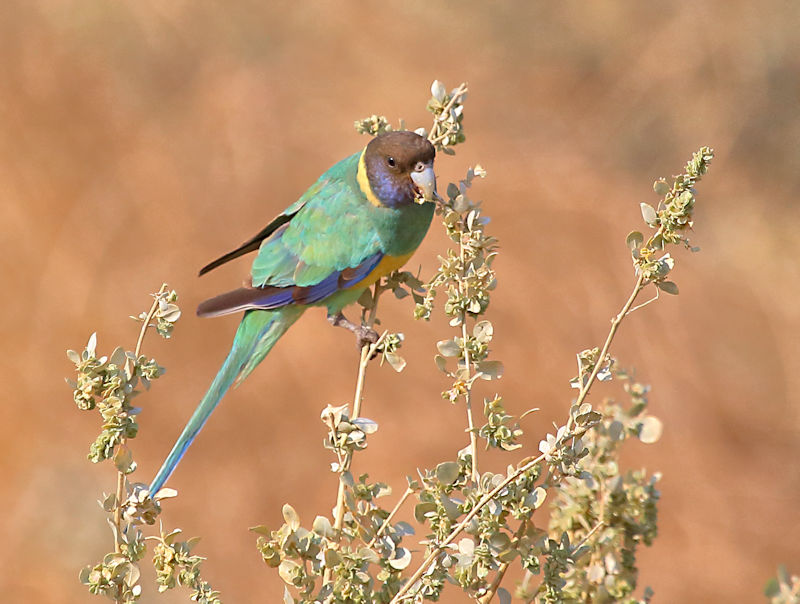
(386, 266)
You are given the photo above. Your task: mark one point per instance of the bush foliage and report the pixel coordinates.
(570, 517)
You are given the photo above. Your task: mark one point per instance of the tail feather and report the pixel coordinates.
(257, 334)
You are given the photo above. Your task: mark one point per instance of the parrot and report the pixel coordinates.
(360, 221)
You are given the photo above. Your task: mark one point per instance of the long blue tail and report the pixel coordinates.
(257, 334)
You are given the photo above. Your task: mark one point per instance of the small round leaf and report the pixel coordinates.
(650, 430)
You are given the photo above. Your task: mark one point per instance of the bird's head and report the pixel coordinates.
(398, 167)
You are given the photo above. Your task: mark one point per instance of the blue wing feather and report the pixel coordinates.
(272, 298)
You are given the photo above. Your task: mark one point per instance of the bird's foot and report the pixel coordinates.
(365, 335)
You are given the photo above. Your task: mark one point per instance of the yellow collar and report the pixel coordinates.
(363, 182)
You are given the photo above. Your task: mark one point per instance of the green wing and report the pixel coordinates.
(332, 231)
(323, 244)
(252, 244)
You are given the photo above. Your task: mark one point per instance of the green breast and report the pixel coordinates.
(402, 229)
(399, 230)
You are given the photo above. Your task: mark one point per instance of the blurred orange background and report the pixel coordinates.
(142, 139)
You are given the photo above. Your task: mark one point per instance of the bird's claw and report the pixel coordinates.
(365, 335)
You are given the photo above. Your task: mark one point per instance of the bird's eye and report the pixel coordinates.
(390, 161)
(419, 167)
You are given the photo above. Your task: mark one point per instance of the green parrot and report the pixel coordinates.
(360, 221)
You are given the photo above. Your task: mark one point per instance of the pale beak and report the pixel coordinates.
(425, 182)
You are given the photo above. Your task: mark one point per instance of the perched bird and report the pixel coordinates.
(359, 222)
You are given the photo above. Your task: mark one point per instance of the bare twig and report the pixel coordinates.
(615, 323)
(379, 289)
(391, 515)
(438, 134)
(643, 304)
(529, 575)
(459, 528)
(129, 369)
(473, 437)
(367, 353)
(588, 536)
(501, 572)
